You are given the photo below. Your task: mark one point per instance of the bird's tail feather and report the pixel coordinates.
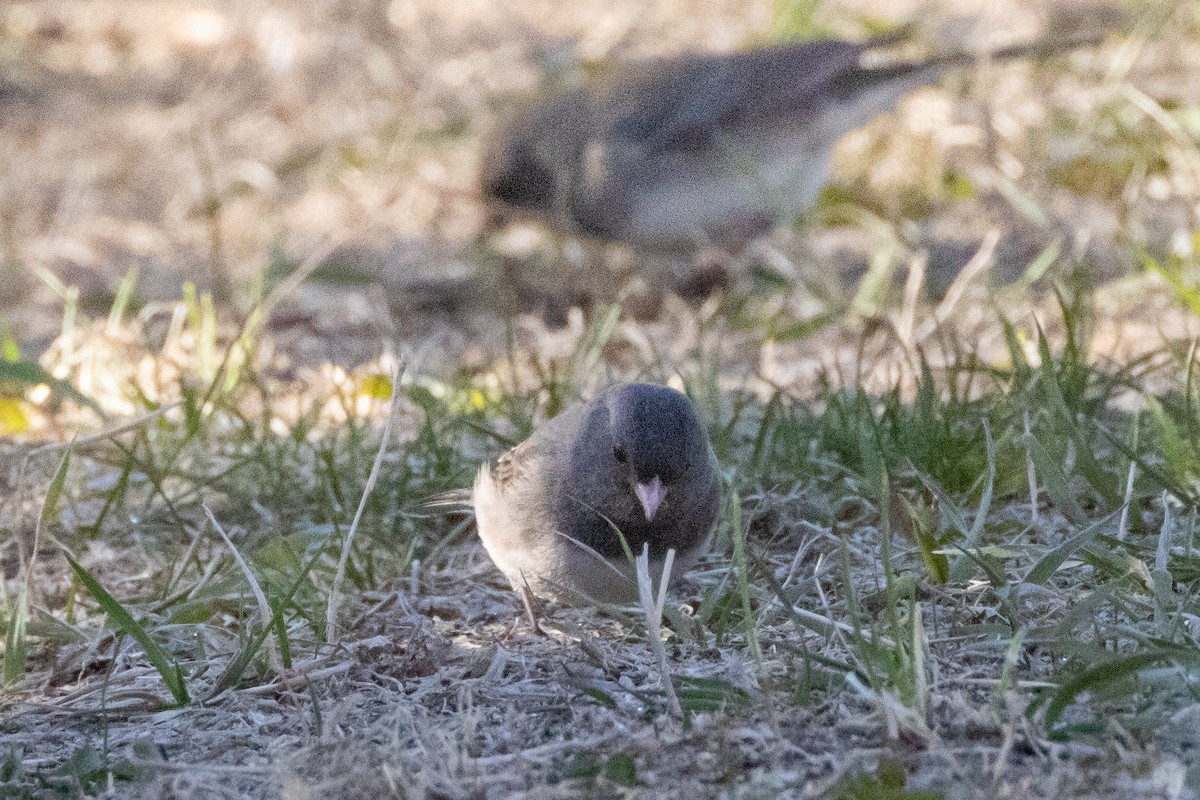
(450, 502)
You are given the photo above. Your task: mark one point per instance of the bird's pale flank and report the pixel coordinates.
(634, 462)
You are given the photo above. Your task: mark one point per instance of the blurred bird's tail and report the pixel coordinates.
(857, 81)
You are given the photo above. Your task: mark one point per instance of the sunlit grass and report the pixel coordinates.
(1026, 511)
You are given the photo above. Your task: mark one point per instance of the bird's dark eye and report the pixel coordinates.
(619, 454)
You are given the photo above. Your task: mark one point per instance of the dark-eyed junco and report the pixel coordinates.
(701, 149)
(634, 462)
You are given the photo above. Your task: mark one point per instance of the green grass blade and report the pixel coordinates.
(961, 569)
(53, 495)
(16, 645)
(1186, 295)
(1085, 461)
(30, 373)
(1021, 371)
(1110, 672)
(1050, 468)
(743, 573)
(162, 661)
(1048, 564)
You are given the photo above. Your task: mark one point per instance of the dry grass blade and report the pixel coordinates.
(1111, 671)
(983, 258)
(84, 443)
(652, 609)
(335, 589)
(16, 644)
(264, 608)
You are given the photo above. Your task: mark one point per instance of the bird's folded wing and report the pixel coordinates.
(702, 93)
(513, 465)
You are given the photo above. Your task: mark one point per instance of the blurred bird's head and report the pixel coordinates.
(531, 161)
(515, 176)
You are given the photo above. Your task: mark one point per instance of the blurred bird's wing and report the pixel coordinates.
(698, 95)
(701, 97)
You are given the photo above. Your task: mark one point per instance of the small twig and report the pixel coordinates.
(201, 767)
(336, 588)
(546, 751)
(295, 679)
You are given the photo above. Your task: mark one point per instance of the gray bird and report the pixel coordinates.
(635, 460)
(701, 149)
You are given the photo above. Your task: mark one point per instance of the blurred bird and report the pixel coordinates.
(634, 462)
(702, 150)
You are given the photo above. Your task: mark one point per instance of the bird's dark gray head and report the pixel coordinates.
(641, 464)
(658, 446)
(656, 432)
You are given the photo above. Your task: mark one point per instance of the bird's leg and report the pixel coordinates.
(532, 607)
